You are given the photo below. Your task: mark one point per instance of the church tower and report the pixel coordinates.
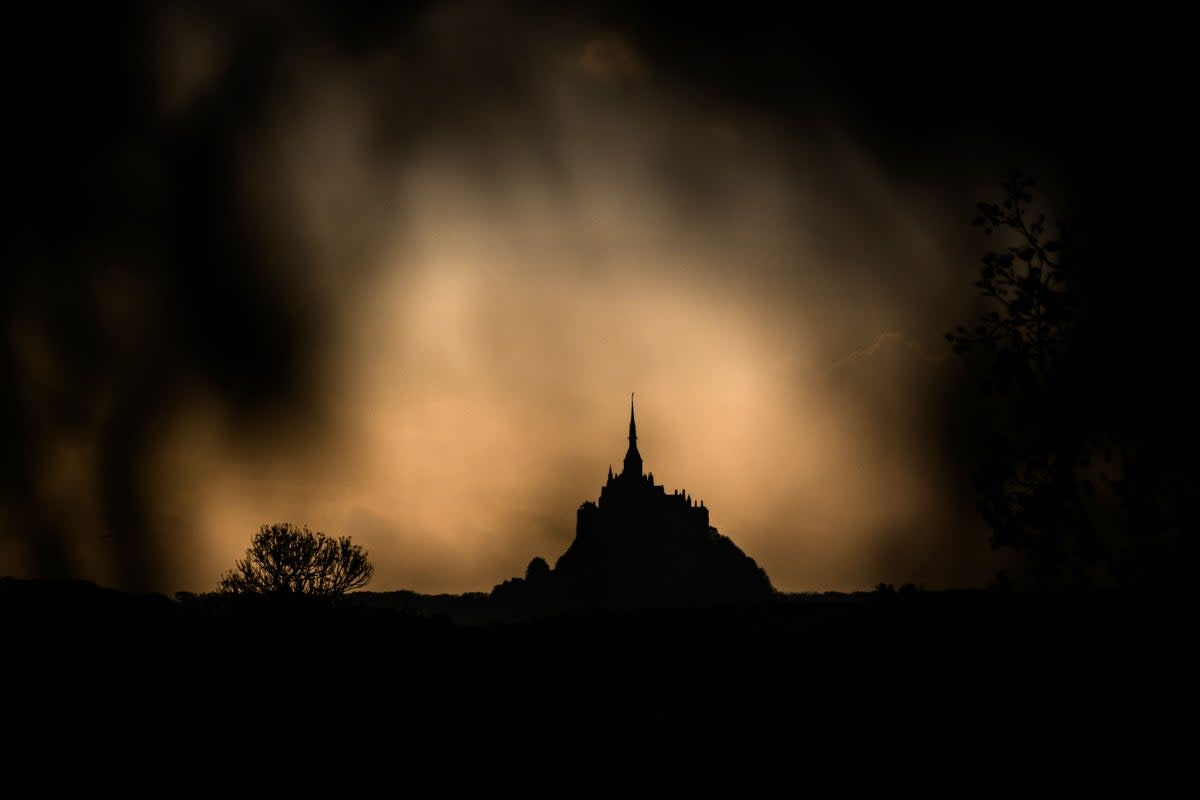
(633, 459)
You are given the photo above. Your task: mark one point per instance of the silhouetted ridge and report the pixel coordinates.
(639, 546)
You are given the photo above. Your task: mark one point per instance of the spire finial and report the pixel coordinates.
(633, 459)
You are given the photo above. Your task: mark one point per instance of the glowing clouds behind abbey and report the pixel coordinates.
(478, 235)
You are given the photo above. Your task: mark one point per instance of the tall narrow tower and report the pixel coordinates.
(633, 459)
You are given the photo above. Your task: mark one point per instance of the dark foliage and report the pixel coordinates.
(1084, 446)
(284, 560)
(537, 570)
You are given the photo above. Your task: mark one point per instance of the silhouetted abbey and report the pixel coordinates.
(641, 547)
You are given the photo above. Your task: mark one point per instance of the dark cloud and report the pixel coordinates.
(610, 57)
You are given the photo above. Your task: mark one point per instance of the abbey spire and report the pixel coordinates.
(633, 459)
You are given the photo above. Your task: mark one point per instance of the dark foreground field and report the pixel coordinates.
(993, 684)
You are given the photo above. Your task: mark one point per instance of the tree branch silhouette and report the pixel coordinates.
(285, 560)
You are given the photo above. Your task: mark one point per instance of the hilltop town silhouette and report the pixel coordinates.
(639, 547)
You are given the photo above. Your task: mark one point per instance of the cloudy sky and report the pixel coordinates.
(395, 274)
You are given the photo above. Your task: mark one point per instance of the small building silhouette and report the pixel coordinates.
(639, 546)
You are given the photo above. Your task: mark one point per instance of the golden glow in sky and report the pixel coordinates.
(494, 293)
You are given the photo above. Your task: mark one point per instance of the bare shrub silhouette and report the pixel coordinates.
(284, 560)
